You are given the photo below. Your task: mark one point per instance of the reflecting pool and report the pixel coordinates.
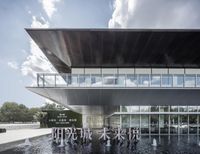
(165, 144)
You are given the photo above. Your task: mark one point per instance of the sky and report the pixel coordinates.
(21, 59)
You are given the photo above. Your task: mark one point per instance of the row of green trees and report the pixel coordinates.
(14, 112)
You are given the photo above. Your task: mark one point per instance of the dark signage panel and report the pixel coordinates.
(64, 119)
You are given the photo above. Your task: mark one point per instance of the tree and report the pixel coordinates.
(23, 116)
(42, 118)
(10, 111)
(13, 112)
(52, 106)
(1, 117)
(48, 106)
(33, 112)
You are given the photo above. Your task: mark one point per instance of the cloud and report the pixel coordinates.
(24, 51)
(29, 12)
(39, 22)
(14, 65)
(155, 14)
(49, 6)
(36, 62)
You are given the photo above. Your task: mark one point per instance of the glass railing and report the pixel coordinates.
(119, 80)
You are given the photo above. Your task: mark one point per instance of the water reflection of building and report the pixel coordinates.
(128, 78)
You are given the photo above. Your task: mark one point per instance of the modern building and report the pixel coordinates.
(145, 78)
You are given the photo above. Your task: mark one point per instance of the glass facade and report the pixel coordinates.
(135, 121)
(174, 124)
(164, 123)
(119, 80)
(144, 124)
(160, 119)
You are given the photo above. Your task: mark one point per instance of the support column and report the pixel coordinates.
(38, 80)
(43, 80)
(178, 124)
(55, 80)
(149, 124)
(198, 124)
(140, 124)
(120, 119)
(188, 123)
(52, 133)
(169, 124)
(159, 124)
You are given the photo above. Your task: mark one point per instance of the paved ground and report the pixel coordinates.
(20, 125)
(13, 137)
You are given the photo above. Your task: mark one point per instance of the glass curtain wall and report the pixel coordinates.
(145, 124)
(164, 124)
(159, 119)
(174, 124)
(121, 80)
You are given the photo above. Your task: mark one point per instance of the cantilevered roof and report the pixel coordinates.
(104, 100)
(72, 48)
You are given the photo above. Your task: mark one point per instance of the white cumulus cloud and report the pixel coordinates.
(14, 65)
(36, 61)
(155, 14)
(49, 6)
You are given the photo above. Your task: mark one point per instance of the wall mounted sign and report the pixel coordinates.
(65, 118)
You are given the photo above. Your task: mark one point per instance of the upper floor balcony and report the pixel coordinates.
(119, 80)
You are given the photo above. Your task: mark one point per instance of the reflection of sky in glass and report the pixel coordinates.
(144, 80)
(178, 80)
(144, 108)
(192, 108)
(190, 80)
(167, 80)
(96, 80)
(155, 80)
(129, 80)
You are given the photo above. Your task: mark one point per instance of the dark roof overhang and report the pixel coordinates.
(122, 48)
